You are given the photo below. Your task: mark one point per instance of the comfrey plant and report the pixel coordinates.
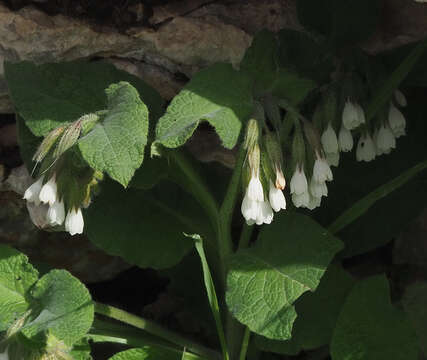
(110, 163)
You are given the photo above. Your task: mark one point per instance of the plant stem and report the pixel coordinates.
(245, 344)
(245, 236)
(155, 329)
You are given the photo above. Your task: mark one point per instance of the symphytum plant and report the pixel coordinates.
(109, 161)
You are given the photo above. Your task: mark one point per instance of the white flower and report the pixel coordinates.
(250, 208)
(329, 140)
(353, 115)
(74, 221)
(400, 98)
(314, 202)
(385, 140)
(255, 191)
(276, 198)
(56, 213)
(48, 192)
(396, 121)
(333, 159)
(365, 148)
(298, 181)
(345, 139)
(318, 189)
(33, 192)
(265, 215)
(301, 200)
(321, 170)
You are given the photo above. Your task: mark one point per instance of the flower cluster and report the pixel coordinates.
(47, 193)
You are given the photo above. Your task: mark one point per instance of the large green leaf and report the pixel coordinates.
(340, 20)
(152, 353)
(16, 278)
(292, 87)
(317, 315)
(49, 95)
(62, 305)
(116, 144)
(264, 281)
(369, 327)
(218, 94)
(144, 227)
(260, 61)
(414, 303)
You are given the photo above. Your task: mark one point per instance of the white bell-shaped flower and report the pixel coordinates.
(333, 159)
(33, 192)
(385, 140)
(265, 215)
(400, 98)
(299, 183)
(329, 140)
(321, 170)
(353, 115)
(74, 222)
(48, 193)
(318, 189)
(396, 121)
(255, 191)
(301, 200)
(250, 208)
(56, 213)
(345, 139)
(360, 114)
(276, 198)
(366, 150)
(314, 202)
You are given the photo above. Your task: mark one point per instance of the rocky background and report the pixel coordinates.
(165, 43)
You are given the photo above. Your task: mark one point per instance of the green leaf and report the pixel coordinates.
(143, 227)
(317, 315)
(16, 278)
(218, 94)
(370, 328)
(152, 353)
(290, 86)
(340, 20)
(361, 206)
(28, 143)
(152, 172)
(49, 95)
(211, 293)
(260, 61)
(62, 305)
(81, 350)
(116, 145)
(264, 281)
(414, 303)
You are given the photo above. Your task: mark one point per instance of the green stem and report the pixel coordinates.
(155, 329)
(245, 236)
(245, 343)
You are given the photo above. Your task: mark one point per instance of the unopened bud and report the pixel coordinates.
(17, 325)
(330, 109)
(88, 122)
(266, 167)
(280, 179)
(252, 134)
(298, 148)
(312, 135)
(254, 158)
(47, 143)
(275, 153)
(68, 139)
(272, 110)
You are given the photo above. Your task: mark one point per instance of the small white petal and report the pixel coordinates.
(318, 189)
(249, 208)
(301, 200)
(33, 192)
(385, 140)
(345, 139)
(266, 214)
(400, 98)
(38, 214)
(48, 192)
(56, 213)
(276, 198)
(329, 140)
(314, 202)
(333, 159)
(396, 120)
(321, 170)
(298, 182)
(74, 222)
(255, 191)
(360, 115)
(250, 222)
(366, 150)
(350, 116)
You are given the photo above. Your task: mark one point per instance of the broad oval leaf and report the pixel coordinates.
(369, 327)
(263, 282)
(16, 278)
(148, 353)
(116, 144)
(49, 95)
(218, 94)
(62, 305)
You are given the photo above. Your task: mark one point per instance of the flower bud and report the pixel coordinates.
(345, 139)
(275, 154)
(252, 134)
(68, 139)
(47, 144)
(329, 140)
